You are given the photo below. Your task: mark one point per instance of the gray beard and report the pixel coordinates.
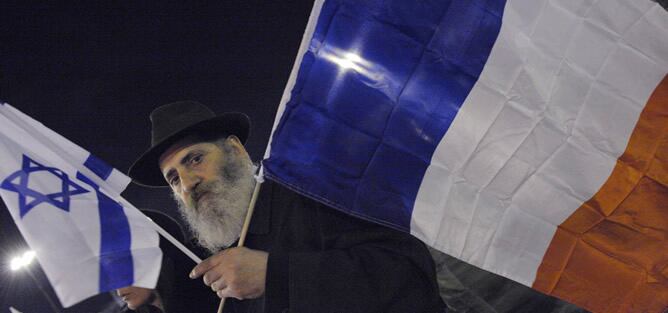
(217, 219)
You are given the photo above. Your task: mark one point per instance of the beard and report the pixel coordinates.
(220, 206)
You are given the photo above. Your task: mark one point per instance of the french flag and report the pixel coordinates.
(526, 137)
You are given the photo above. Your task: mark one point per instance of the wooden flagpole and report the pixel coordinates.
(244, 230)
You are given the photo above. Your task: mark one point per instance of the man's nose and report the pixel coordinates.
(189, 182)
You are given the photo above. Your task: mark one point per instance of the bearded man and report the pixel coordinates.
(300, 255)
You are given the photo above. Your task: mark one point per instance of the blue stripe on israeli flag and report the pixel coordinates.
(116, 267)
(99, 167)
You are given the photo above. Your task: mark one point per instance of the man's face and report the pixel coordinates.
(186, 166)
(212, 183)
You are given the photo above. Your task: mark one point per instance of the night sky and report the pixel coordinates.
(93, 74)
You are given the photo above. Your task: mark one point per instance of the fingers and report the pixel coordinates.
(218, 285)
(234, 273)
(222, 290)
(206, 265)
(211, 276)
(222, 293)
(229, 293)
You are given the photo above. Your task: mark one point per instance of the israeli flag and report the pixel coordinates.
(67, 205)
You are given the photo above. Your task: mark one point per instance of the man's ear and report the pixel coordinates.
(234, 138)
(236, 142)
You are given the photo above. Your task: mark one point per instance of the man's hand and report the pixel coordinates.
(236, 272)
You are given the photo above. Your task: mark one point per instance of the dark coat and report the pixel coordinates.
(322, 260)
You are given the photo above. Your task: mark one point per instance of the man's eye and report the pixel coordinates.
(196, 159)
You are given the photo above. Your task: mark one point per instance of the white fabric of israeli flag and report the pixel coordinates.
(67, 205)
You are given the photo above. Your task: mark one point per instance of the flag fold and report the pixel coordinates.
(67, 205)
(528, 138)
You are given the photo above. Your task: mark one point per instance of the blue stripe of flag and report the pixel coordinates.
(377, 90)
(99, 167)
(116, 266)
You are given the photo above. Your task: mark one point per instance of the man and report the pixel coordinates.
(301, 255)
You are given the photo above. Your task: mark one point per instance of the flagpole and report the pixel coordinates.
(173, 240)
(308, 33)
(249, 215)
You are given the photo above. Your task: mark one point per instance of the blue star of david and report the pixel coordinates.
(30, 198)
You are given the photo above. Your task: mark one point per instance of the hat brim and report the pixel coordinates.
(146, 170)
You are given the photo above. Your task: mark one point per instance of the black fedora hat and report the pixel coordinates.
(172, 122)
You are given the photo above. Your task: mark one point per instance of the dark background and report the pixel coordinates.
(94, 72)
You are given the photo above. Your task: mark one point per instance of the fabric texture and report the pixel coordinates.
(522, 137)
(321, 260)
